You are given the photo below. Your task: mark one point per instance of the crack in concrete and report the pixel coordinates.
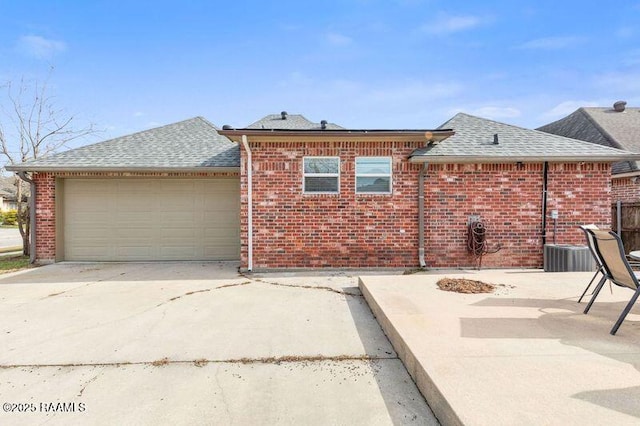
(222, 394)
(285, 359)
(84, 285)
(87, 384)
(313, 287)
(173, 299)
(71, 289)
(306, 287)
(135, 314)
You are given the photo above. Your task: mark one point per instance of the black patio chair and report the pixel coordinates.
(608, 246)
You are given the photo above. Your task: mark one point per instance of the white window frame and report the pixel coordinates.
(306, 175)
(389, 175)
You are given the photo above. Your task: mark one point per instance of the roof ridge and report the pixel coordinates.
(497, 122)
(601, 129)
(134, 133)
(129, 135)
(454, 116)
(216, 128)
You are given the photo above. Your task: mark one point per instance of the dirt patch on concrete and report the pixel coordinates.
(462, 285)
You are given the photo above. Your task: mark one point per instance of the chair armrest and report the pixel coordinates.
(633, 262)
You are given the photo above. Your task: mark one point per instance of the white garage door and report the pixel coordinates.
(151, 219)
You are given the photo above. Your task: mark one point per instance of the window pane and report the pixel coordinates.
(321, 165)
(320, 184)
(380, 166)
(373, 184)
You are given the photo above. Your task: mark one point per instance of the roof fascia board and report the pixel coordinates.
(451, 159)
(337, 135)
(625, 175)
(44, 169)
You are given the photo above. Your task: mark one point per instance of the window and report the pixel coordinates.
(373, 175)
(321, 175)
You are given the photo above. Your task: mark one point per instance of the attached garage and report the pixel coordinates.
(138, 219)
(164, 194)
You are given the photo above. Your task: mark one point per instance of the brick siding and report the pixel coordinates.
(626, 189)
(508, 198)
(292, 229)
(45, 217)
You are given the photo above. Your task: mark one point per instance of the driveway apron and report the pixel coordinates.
(195, 343)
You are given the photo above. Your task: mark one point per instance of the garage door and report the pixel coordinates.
(151, 219)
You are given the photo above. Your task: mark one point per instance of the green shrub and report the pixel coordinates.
(10, 217)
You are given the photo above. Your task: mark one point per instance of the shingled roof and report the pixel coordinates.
(290, 122)
(603, 126)
(475, 142)
(189, 145)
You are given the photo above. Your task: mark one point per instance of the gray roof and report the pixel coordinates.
(473, 141)
(192, 144)
(292, 122)
(8, 187)
(603, 126)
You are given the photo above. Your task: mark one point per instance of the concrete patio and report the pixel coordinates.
(198, 343)
(525, 354)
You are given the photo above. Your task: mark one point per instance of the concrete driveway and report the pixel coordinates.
(10, 237)
(195, 343)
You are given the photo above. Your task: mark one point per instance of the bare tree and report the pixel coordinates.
(32, 126)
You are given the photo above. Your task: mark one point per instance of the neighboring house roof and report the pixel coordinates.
(474, 142)
(284, 121)
(8, 187)
(603, 126)
(192, 144)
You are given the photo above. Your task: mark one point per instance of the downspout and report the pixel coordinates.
(423, 263)
(32, 216)
(545, 174)
(245, 144)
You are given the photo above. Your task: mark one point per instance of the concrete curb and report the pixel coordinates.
(429, 389)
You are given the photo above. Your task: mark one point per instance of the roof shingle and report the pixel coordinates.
(602, 126)
(474, 142)
(292, 122)
(189, 144)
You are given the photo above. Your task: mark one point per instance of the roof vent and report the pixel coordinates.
(227, 127)
(619, 106)
(323, 124)
(284, 114)
(495, 139)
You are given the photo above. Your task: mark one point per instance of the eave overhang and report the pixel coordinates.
(455, 159)
(280, 135)
(634, 173)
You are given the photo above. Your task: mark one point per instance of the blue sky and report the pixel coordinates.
(132, 65)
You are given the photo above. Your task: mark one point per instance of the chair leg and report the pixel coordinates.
(595, 293)
(625, 312)
(590, 282)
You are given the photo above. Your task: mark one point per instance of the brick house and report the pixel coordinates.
(288, 193)
(617, 127)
